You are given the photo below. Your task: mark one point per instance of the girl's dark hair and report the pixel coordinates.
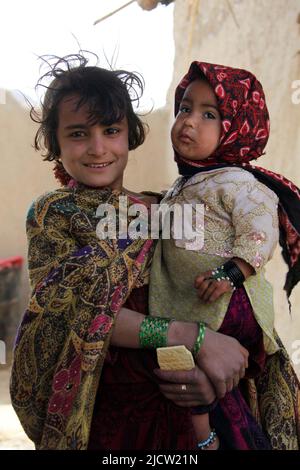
(109, 95)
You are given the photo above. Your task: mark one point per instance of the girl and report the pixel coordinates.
(221, 124)
(81, 282)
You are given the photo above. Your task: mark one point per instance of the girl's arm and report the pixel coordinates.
(221, 357)
(127, 327)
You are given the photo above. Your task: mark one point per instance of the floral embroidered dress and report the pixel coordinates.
(240, 219)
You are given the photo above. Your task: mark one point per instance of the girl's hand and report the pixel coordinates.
(186, 387)
(209, 289)
(223, 359)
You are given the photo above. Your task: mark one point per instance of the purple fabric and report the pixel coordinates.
(232, 417)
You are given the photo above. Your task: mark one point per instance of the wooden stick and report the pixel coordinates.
(113, 12)
(232, 13)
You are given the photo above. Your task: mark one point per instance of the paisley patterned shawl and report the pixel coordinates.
(244, 135)
(79, 284)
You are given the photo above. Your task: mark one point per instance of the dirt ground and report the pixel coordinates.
(12, 436)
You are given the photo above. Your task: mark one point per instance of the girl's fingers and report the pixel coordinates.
(180, 398)
(176, 376)
(236, 381)
(175, 389)
(229, 385)
(242, 372)
(220, 389)
(176, 394)
(187, 403)
(246, 356)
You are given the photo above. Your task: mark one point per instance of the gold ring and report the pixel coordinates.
(183, 387)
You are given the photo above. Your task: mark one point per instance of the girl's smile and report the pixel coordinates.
(97, 166)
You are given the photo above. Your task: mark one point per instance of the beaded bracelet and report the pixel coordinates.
(220, 274)
(211, 438)
(229, 272)
(199, 339)
(234, 273)
(153, 332)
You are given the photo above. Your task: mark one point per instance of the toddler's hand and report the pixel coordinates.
(210, 289)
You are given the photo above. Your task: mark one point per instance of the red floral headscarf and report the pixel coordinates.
(244, 135)
(243, 110)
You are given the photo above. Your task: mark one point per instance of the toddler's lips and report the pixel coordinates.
(185, 138)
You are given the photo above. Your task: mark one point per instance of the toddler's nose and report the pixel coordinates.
(191, 120)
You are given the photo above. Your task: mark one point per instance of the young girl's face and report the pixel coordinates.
(197, 128)
(95, 155)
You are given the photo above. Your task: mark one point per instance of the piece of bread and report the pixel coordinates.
(175, 358)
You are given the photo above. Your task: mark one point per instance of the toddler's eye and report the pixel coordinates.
(184, 109)
(209, 115)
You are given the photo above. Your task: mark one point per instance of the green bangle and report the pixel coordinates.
(199, 340)
(154, 332)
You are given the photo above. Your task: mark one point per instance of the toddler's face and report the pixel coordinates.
(95, 155)
(197, 128)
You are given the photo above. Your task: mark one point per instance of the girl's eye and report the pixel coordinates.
(209, 115)
(112, 131)
(78, 134)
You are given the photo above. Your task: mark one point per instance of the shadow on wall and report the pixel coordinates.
(24, 177)
(151, 166)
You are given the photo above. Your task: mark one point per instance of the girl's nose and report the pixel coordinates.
(96, 145)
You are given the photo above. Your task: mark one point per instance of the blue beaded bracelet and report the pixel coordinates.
(202, 445)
